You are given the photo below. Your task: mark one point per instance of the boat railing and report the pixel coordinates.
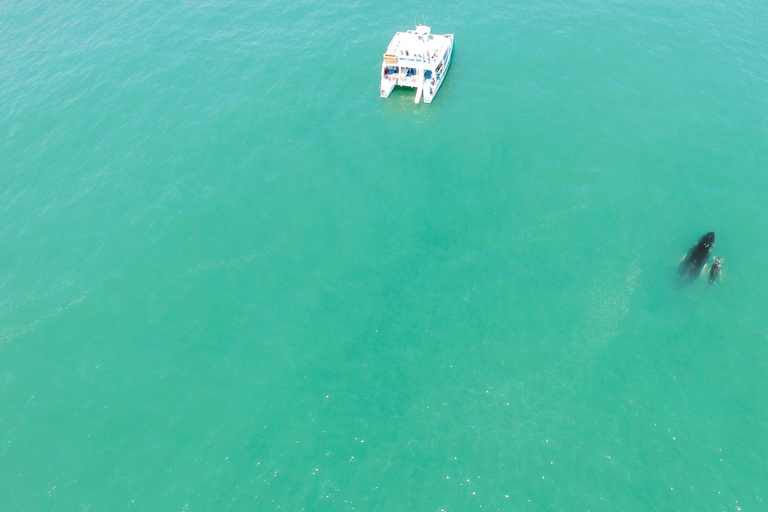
(426, 61)
(399, 78)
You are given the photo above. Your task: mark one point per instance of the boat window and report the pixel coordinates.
(391, 70)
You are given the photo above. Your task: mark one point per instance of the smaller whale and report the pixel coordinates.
(715, 271)
(697, 257)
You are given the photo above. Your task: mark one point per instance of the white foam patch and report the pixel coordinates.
(234, 262)
(244, 259)
(532, 231)
(609, 302)
(8, 333)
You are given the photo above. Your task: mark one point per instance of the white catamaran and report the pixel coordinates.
(416, 59)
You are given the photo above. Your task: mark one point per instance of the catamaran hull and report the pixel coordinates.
(386, 88)
(438, 82)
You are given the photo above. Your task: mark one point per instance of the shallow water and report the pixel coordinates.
(234, 277)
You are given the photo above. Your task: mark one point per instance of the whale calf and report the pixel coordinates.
(715, 271)
(697, 257)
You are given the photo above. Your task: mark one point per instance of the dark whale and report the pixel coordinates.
(715, 269)
(697, 257)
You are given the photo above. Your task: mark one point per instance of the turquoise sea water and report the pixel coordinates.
(234, 278)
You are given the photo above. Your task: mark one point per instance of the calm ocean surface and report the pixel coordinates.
(234, 278)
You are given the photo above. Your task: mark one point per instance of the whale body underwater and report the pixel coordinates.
(697, 257)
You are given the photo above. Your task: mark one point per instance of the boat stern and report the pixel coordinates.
(386, 87)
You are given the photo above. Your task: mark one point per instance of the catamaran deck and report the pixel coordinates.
(416, 58)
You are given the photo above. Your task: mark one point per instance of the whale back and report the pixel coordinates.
(698, 255)
(707, 240)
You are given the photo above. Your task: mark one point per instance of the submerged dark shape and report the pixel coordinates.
(697, 257)
(715, 269)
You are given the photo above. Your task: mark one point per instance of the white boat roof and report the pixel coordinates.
(418, 42)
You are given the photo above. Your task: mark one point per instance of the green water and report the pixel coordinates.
(234, 278)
